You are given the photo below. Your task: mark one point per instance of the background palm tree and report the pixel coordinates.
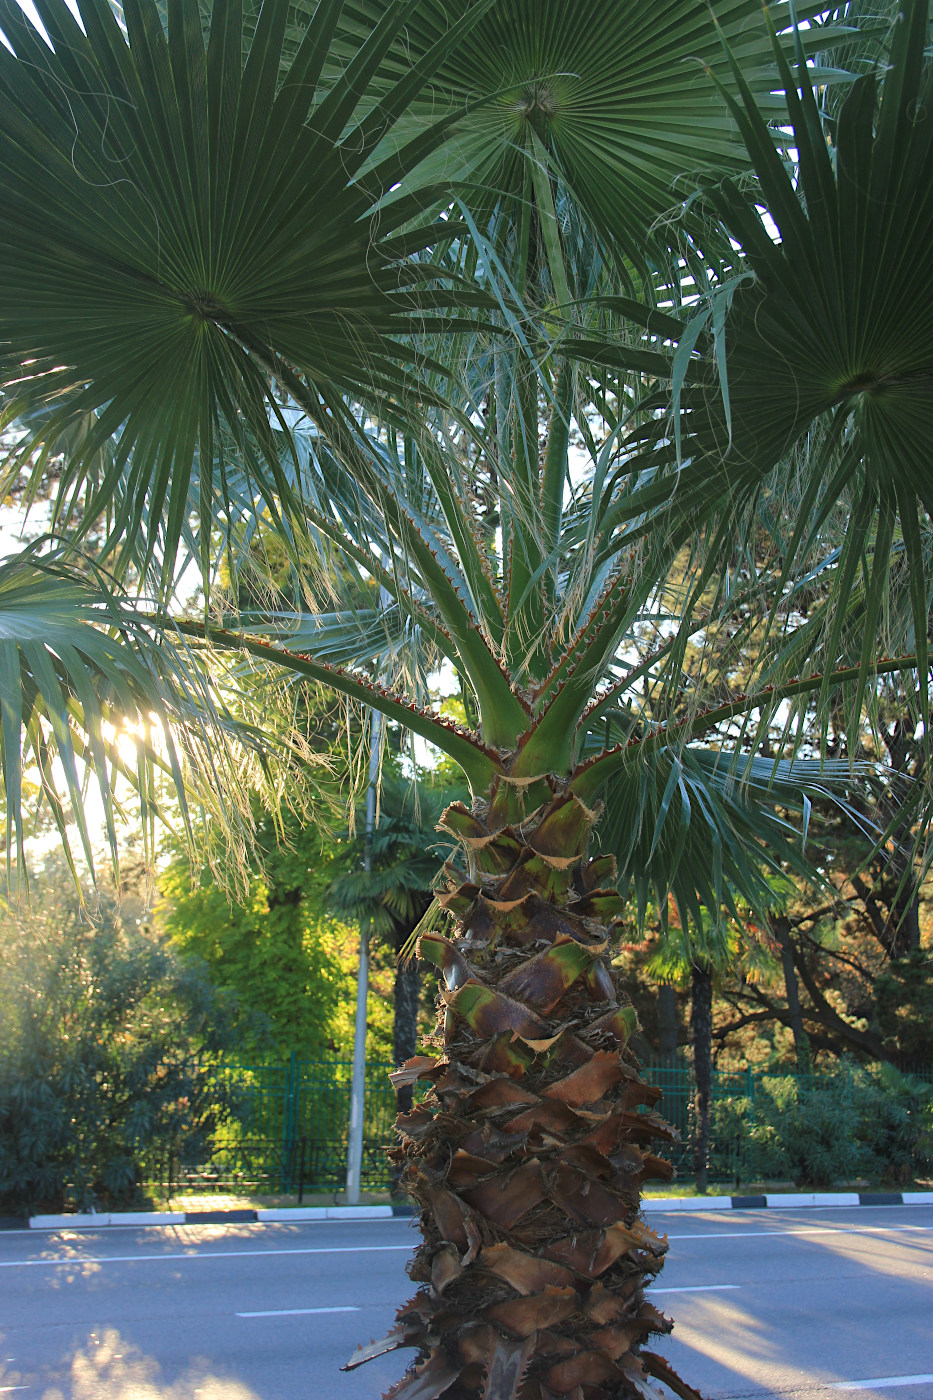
(393, 897)
(242, 300)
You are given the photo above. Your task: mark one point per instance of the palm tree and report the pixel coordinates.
(392, 898)
(243, 299)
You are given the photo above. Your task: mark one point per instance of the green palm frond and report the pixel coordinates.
(834, 336)
(533, 562)
(381, 638)
(183, 224)
(844, 620)
(714, 828)
(90, 697)
(613, 97)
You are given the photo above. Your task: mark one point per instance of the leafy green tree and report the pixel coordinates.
(329, 301)
(104, 1039)
(277, 945)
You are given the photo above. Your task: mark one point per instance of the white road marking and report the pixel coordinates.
(201, 1254)
(882, 1382)
(388, 1248)
(697, 1288)
(811, 1230)
(295, 1312)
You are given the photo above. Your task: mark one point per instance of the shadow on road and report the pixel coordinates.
(847, 1305)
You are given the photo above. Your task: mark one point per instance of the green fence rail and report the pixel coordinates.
(289, 1132)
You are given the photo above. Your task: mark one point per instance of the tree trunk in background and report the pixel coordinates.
(668, 1026)
(701, 1033)
(780, 927)
(905, 920)
(405, 1029)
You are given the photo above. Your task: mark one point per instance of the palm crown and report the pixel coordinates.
(398, 287)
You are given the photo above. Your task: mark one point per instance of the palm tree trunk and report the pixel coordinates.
(701, 1029)
(407, 994)
(526, 1159)
(667, 1021)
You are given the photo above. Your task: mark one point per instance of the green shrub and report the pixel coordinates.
(862, 1123)
(728, 1148)
(898, 1124)
(102, 1036)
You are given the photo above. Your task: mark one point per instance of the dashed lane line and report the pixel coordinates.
(295, 1312)
(883, 1382)
(807, 1230)
(697, 1288)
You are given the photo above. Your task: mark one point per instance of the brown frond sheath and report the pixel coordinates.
(527, 1156)
(659, 1368)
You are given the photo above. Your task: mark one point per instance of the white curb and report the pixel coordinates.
(94, 1220)
(359, 1213)
(293, 1213)
(664, 1203)
(66, 1222)
(798, 1200)
(286, 1213)
(147, 1217)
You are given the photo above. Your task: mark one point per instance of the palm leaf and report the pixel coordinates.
(182, 222)
(479, 761)
(835, 335)
(613, 96)
(89, 697)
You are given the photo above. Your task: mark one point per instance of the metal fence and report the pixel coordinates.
(288, 1132)
(740, 1102)
(290, 1126)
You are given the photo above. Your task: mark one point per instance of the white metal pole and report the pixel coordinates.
(358, 1083)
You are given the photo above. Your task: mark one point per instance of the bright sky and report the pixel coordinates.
(29, 8)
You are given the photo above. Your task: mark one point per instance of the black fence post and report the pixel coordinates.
(289, 1121)
(288, 1166)
(301, 1169)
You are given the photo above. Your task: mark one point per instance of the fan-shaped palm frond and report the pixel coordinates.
(829, 332)
(182, 223)
(406, 854)
(613, 97)
(712, 827)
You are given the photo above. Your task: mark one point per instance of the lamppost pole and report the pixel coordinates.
(358, 1083)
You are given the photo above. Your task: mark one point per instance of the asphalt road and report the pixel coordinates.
(766, 1303)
